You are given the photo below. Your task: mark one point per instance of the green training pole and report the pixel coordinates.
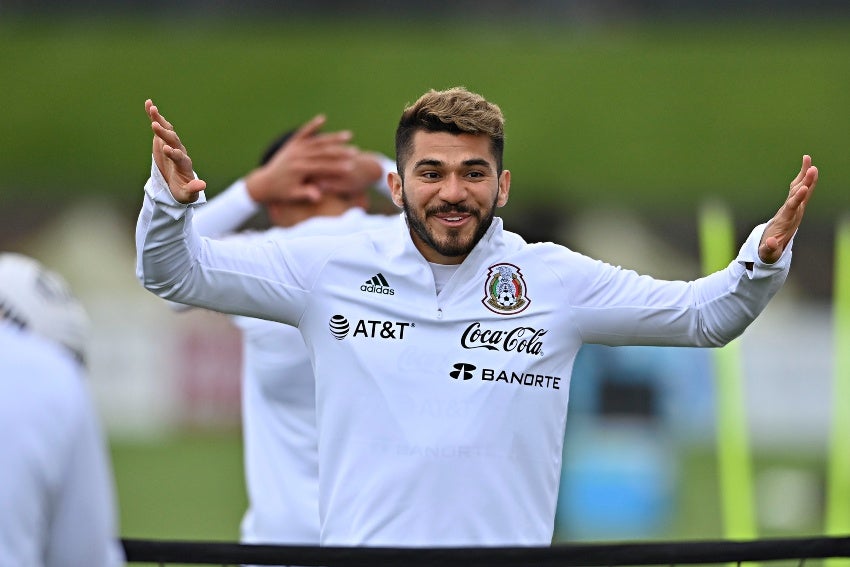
(717, 242)
(838, 466)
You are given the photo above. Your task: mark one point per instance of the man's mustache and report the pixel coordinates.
(448, 209)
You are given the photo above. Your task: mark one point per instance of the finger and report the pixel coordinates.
(307, 192)
(807, 163)
(181, 161)
(153, 113)
(158, 125)
(157, 144)
(342, 156)
(162, 134)
(802, 173)
(334, 185)
(339, 137)
(811, 179)
(329, 168)
(173, 154)
(150, 109)
(323, 154)
(803, 192)
(170, 137)
(158, 118)
(330, 149)
(310, 127)
(798, 201)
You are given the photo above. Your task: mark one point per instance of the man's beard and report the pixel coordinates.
(453, 244)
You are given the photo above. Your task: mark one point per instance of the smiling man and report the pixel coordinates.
(451, 192)
(441, 406)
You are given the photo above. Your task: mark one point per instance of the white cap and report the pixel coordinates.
(41, 300)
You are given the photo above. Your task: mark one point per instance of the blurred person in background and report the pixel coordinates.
(307, 183)
(442, 399)
(57, 496)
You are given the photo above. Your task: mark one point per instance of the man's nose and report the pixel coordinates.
(453, 189)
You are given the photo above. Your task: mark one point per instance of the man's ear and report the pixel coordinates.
(504, 188)
(396, 186)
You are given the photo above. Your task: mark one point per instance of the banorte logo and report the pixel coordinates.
(462, 370)
(511, 378)
(339, 327)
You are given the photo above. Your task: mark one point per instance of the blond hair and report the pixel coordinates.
(455, 110)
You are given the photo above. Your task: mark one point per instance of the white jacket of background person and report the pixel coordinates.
(278, 388)
(441, 415)
(57, 501)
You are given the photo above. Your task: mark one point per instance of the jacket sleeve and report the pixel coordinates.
(222, 216)
(174, 262)
(226, 212)
(615, 306)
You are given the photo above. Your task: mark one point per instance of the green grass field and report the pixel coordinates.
(187, 487)
(190, 487)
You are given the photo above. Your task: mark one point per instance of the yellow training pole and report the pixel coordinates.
(838, 465)
(717, 241)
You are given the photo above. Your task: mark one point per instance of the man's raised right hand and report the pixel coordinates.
(172, 159)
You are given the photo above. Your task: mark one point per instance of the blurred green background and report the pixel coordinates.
(647, 116)
(650, 116)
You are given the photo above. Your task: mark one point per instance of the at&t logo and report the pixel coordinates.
(368, 328)
(339, 327)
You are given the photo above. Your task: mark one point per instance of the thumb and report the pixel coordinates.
(769, 251)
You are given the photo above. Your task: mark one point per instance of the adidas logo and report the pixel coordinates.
(377, 284)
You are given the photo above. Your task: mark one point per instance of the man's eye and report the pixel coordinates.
(475, 174)
(430, 175)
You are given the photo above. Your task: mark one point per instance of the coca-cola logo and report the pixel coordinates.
(526, 340)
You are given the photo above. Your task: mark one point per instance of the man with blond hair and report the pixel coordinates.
(443, 346)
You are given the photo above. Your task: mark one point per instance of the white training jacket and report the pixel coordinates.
(441, 417)
(278, 389)
(57, 500)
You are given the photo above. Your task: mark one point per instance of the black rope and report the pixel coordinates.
(558, 555)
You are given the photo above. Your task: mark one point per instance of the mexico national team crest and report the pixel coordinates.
(505, 292)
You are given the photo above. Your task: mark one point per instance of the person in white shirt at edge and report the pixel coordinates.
(57, 499)
(307, 183)
(442, 400)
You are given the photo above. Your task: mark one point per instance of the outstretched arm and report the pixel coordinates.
(787, 219)
(172, 159)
